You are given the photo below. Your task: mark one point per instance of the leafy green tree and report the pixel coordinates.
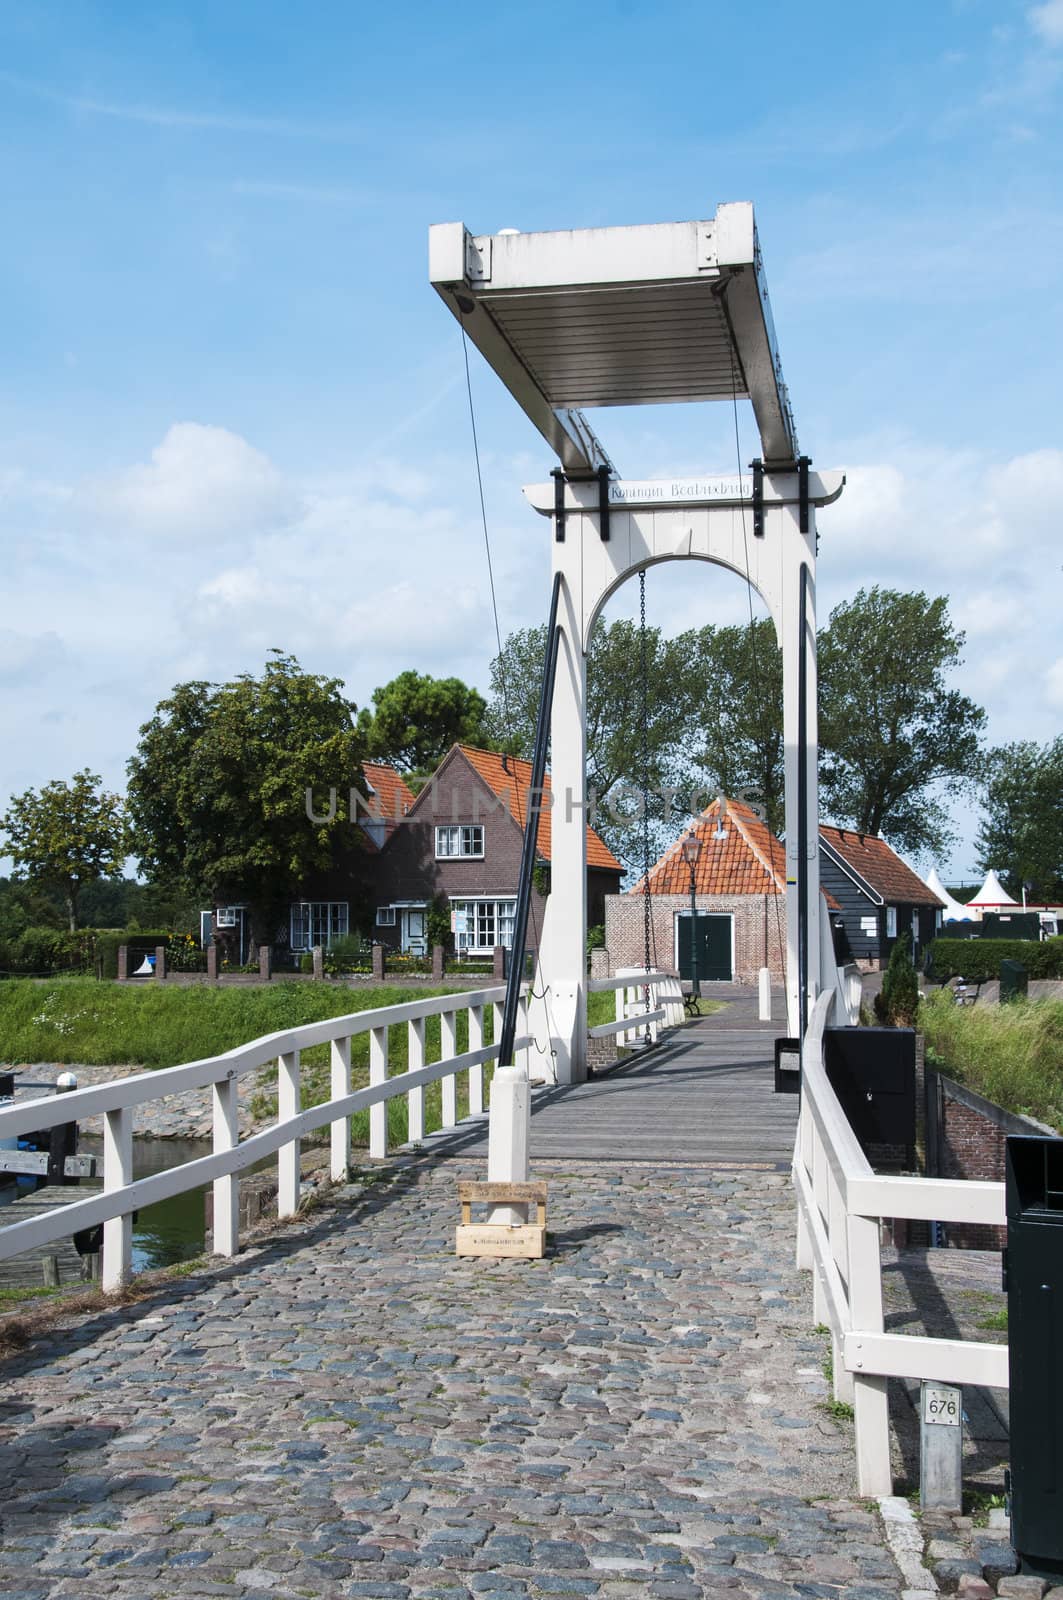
(894, 739)
(614, 718)
(1022, 830)
(218, 787)
(66, 835)
(416, 718)
(735, 673)
(898, 1000)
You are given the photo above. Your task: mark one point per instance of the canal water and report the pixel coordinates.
(174, 1230)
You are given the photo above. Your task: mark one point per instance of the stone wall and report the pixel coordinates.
(968, 1141)
(759, 931)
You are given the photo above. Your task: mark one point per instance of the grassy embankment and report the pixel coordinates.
(102, 1024)
(1011, 1054)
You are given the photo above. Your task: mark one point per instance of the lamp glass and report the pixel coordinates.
(691, 849)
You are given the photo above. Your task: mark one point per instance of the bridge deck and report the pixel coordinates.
(704, 1096)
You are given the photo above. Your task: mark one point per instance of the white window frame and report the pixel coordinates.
(488, 922)
(891, 922)
(456, 840)
(314, 922)
(385, 916)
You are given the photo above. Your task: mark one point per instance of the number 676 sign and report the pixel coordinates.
(941, 1404)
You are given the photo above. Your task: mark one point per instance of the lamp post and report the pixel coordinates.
(691, 852)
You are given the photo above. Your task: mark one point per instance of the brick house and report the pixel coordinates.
(462, 839)
(739, 893)
(879, 898)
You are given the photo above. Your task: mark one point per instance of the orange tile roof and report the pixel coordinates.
(750, 860)
(509, 778)
(879, 866)
(393, 796)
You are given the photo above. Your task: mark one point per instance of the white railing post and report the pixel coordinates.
(448, 1049)
(838, 1238)
(117, 1261)
(803, 1159)
(288, 1156)
(870, 1399)
(378, 1114)
(619, 1003)
(340, 1085)
(522, 1056)
(476, 1074)
(415, 1097)
(226, 1108)
(819, 1195)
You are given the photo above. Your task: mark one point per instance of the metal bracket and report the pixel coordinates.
(477, 259)
(757, 467)
(603, 503)
(707, 254)
(559, 504)
(803, 464)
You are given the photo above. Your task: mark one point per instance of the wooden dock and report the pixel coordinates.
(26, 1271)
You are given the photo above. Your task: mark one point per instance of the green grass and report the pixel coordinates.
(1013, 1054)
(996, 1321)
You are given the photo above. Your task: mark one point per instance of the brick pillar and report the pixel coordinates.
(498, 962)
(319, 963)
(212, 963)
(265, 962)
(379, 965)
(600, 964)
(437, 963)
(160, 962)
(123, 963)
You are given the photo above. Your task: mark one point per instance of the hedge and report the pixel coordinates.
(978, 960)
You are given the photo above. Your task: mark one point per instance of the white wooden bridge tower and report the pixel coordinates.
(643, 315)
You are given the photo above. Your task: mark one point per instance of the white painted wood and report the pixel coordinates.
(476, 1073)
(339, 1088)
(764, 994)
(602, 1030)
(378, 1115)
(289, 1154)
(902, 1355)
(871, 1415)
(415, 1097)
(508, 1138)
(117, 1263)
(226, 1124)
(448, 1041)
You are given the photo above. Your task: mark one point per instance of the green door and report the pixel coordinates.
(714, 946)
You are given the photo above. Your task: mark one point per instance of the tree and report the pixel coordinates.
(218, 786)
(614, 718)
(894, 738)
(1022, 832)
(66, 835)
(898, 1000)
(736, 674)
(416, 719)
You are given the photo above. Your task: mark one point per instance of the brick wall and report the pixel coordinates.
(970, 1143)
(759, 931)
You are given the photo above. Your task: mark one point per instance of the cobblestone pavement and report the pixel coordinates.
(351, 1411)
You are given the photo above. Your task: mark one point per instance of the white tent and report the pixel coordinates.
(991, 894)
(953, 910)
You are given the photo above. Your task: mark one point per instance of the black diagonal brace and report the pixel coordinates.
(603, 503)
(533, 805)
(803, 464)
(559, 504)
(758, 498)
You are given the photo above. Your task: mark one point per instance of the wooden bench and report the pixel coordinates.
(525, 1240)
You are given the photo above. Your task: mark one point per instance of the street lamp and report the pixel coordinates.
(691, 852)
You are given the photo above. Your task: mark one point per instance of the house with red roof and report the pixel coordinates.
(739, 903)
(879, 898)
(461, 841)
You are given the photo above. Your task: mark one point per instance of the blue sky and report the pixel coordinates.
(232, 412)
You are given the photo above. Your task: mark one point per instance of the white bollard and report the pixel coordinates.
(765, 995)
(507, 1138)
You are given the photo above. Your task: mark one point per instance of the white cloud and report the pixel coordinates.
(1047, 21)
(202, 483)
(1054, 683)
(26, 658)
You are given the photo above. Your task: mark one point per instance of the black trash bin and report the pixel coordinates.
(1034, 1275)
(1012, 981)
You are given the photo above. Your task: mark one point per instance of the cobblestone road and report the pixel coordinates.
(351, 1411)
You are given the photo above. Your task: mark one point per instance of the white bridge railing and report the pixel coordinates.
(840, 1204)
(117, 1103)
(644, 999)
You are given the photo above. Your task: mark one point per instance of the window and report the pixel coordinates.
(459, 839)
(385, 916)
(891, 922)
(480, 925)
(318, 922)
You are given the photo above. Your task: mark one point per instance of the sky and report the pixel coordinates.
(233, 413)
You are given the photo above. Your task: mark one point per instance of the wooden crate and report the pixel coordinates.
(525, 1241)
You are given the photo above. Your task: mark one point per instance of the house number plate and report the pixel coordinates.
(941, 1405)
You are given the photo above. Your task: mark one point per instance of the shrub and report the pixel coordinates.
(978, 960)
(41, 952)
(898, 1001)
